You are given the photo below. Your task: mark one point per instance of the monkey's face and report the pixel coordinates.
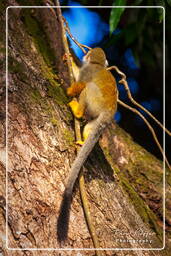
(96, 56)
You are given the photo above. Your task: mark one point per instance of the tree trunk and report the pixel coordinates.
(124, 182)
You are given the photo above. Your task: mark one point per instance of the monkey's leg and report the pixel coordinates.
(87, 129)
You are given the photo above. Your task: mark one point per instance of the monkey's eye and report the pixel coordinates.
(106, 63)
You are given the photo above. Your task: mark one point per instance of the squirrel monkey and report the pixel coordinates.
(97, 92)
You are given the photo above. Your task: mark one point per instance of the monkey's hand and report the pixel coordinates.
(75, 88)
(76, 108)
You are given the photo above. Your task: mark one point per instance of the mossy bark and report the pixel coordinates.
(124, 182)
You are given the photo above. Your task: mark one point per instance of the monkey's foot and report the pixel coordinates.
(76, 109)
(65, 56)
(80, 142)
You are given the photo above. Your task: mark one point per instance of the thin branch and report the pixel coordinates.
(150, 128)
(87, 212)
(65, 42)
(124, 82)
(82, 46)
(78, 137)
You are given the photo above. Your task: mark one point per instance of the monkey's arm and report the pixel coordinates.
(75, 88)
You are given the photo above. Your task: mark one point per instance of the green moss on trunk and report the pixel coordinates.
(35, 29)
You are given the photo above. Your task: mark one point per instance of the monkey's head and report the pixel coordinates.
(96, 56)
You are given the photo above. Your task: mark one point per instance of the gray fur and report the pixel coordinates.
(63, 219)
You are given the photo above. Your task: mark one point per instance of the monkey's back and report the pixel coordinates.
(101, 93)
(88, 71)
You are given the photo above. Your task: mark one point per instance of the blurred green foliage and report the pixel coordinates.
(139, 28)
(116, 14)
(169, 2)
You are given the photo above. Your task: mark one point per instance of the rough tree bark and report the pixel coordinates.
(123, 181)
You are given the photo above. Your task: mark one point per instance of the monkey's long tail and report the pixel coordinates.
(64, 214)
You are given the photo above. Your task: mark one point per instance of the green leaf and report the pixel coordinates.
(160, 14)
(84, 2)
(160, 10)
(137, 2)
(169, 2)
(150, 2)
(116, 14)
(100, 2)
